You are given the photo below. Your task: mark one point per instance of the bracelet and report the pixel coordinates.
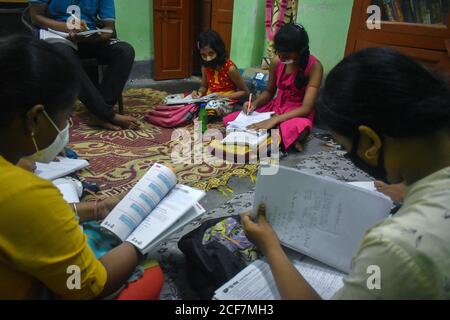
(76, 211)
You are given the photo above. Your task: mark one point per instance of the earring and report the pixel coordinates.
(367, 155)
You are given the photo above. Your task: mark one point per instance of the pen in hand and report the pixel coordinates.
(76, 18)
(249, 106)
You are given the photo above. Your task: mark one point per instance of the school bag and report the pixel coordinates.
(215, 252)
(172, 116)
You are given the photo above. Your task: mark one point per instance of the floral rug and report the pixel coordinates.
(119, 158)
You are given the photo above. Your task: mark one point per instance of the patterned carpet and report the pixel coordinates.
(118, 159)
(331, 163)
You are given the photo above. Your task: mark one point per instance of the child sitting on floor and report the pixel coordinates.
(219, 74)
(295, 77)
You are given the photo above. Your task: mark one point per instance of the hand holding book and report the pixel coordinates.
(260, 233)
(153, 209)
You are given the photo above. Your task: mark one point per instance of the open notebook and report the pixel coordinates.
(238, 134)
(61, 168)
(321, 219)
(318, 216)
(53, 36)
(178, 99)
(153, 209)
(256, 281)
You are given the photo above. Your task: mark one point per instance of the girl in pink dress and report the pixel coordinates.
(295, 77)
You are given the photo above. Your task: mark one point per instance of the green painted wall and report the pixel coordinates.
(327, 23)
(135, 25)
(247, 40)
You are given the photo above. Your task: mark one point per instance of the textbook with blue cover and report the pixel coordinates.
(155, 208)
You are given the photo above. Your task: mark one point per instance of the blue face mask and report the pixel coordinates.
(49, 154)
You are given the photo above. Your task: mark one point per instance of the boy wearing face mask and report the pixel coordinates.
(295, 77)
(219, 74)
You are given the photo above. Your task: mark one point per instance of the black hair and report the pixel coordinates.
(212, 39)
(293, 37)
(386, 91)
(33, 72)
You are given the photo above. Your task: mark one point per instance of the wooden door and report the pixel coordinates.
(172, 39)
(222, 20)
(202, 22)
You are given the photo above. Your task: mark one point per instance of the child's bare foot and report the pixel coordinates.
(97, 122)
(126, 122)
(109, 126)
(298, 146)
(394, 191)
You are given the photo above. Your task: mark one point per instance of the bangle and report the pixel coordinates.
(75, 209)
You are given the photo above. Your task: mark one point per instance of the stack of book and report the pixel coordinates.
(414, 11)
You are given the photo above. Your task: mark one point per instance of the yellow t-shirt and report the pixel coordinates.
(410, 250)
(41, 241)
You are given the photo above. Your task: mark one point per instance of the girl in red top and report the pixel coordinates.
(219, 74)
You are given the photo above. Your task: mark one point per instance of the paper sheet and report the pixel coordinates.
(56, 37)
(368, 185)
(243, 120)
(140, 201)
(245, 138)
(70, 189)
(58, 169)
(256, 281)
(172, 208)
(178, 99)
(318, 216)
(195, 212)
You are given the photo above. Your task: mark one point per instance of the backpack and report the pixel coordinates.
(215, 252)
(172, 116)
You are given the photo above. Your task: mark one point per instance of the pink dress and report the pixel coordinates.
(288, 98)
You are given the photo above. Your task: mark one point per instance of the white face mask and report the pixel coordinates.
(287, 62)
(49, 154)
(211, 58)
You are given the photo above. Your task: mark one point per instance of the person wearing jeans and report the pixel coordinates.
(117, 55)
